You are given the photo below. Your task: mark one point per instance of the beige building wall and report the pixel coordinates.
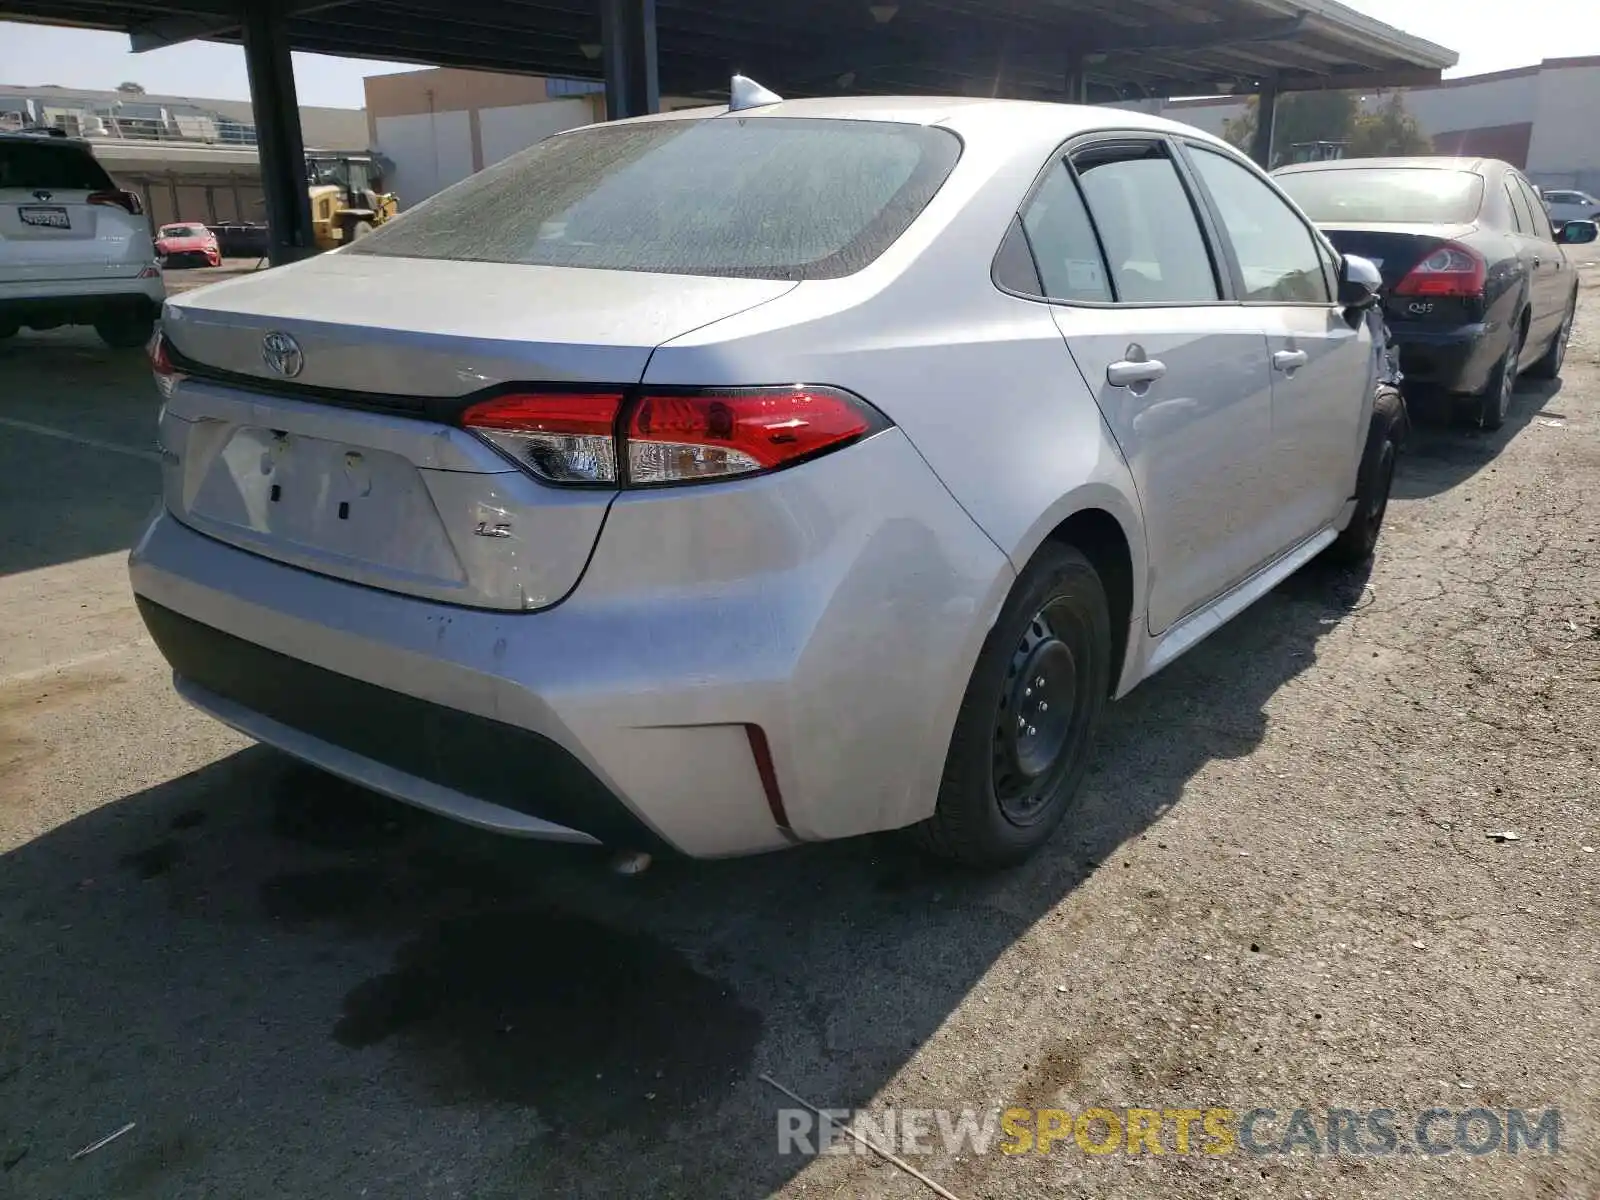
(440, 125)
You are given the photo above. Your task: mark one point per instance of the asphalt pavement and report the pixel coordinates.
(1291, 887)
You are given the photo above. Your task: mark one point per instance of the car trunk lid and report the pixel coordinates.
(350, 466)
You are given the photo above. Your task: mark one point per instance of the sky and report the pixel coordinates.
(33, 54)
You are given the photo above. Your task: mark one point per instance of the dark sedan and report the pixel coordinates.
(1478, 289)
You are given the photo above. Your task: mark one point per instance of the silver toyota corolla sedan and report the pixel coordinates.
(728, 479)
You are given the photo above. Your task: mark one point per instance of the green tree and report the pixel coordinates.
(1390, 129)
(1301, 117)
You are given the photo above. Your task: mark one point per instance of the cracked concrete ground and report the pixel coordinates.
(1281, 894)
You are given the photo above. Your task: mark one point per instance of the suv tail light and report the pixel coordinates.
(129, 202)
(1450, 270)
(167, 376)
(659, 438)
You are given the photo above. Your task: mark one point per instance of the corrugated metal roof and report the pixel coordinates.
(1024, 48)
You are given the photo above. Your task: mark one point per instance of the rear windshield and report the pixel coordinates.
(1418, 195)
(30, 165)
(184, 230)
(762, 197)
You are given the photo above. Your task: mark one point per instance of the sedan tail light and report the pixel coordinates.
(662, 438)
(129, 202)
(1450, 270)
(561, 438)
(167, 376)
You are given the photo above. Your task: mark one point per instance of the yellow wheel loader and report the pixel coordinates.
(347, 198)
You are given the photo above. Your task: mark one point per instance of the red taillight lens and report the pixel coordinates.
(167, 376)
(667, 438)
(1451, 270)
(560, 437)
(674, 439)
(129, 202)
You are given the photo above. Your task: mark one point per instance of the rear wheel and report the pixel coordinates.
(1022, 738)
(125, 332)
(358, 230)
(1549, 365)
(1495, 399)
(1360, 538)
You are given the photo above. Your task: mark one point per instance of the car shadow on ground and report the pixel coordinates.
(1444, 451)
(298, 988)
(78, 461)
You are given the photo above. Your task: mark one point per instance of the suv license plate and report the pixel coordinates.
(51, 217)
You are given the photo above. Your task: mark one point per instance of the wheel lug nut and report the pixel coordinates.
(1031, 731)
(1043, 707)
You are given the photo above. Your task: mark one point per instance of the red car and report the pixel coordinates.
(187, 244)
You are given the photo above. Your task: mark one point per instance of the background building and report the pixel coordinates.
(439, 126)
(1544, 119)
(190, 159)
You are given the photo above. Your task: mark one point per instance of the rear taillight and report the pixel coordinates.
(167, 376)
(659, 438)
(675, 439)
(561, 438)
(129, 202)
(1450, 270)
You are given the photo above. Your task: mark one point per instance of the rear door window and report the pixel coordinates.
(1063, 241)
(1519, 206)
(1540, 228)
(1275, 250)
(761, 197)
(29, 165)
(1516, 209)
(1154, 248)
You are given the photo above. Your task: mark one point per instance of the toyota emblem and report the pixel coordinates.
(282, 354)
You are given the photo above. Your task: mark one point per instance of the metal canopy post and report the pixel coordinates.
(1077, 82)
(277, 114)
(628, 36)
(1266, 119)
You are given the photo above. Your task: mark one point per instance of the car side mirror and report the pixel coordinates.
(1577, 233)
(1359, 282)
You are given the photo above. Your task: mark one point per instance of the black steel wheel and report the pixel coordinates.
(1034, 722)
(1376, 482)
(1028, 718)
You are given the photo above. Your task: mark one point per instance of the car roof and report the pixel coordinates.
(959, 113)
(1430, 163)
(42, 139)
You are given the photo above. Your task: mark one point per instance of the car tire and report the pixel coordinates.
(125, 333)
(1360, 538)
(1494, 402)
(1014, 767)
(1550, 363)
(359, 230)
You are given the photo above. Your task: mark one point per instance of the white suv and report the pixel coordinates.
(74, 248)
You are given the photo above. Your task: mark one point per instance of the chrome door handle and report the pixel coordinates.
(1289, 361)
(1129, 373)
